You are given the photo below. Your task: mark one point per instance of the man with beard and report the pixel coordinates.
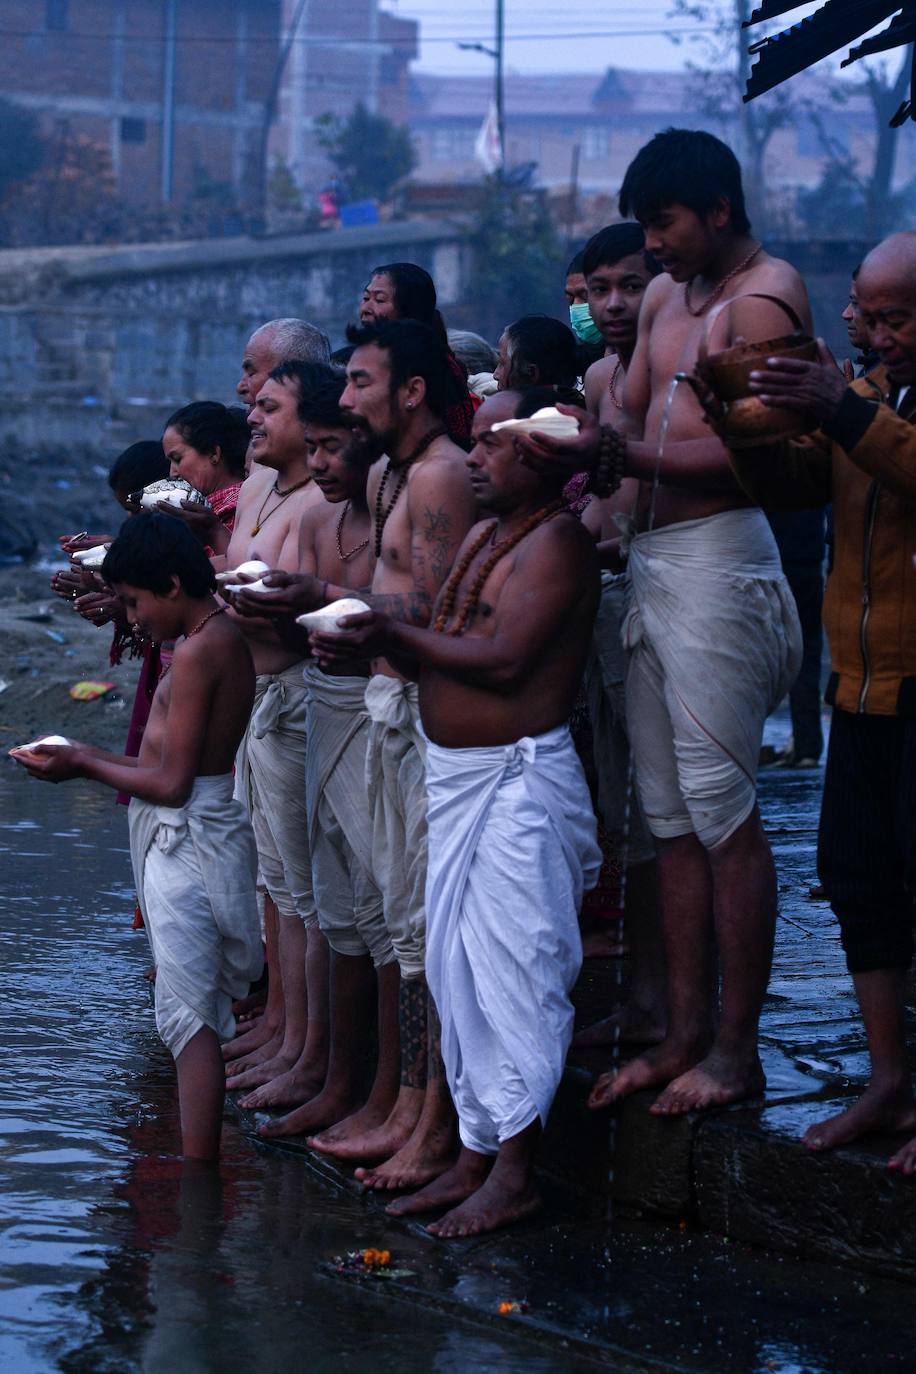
(422, 506)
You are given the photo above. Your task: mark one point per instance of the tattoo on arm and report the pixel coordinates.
(437, 532)
(413, 608)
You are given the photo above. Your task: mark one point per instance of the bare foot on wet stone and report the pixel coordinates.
(878, 1109)
(904, 1161)
(422, 1159)
(263, 1032)
(466, 1176)
(652, 1069)
(365, 1142)
(289, 1089)
(497, 1203)
(629, 1026)
(315, 1115)
(719, 1081)
(259, 1074)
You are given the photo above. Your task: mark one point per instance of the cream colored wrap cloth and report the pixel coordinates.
(340, 829)
(194, 869)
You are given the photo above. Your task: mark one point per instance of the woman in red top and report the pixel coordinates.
(205, 443)
(404, 291)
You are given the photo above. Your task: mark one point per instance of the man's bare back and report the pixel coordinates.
(207, 694)
(668, 342)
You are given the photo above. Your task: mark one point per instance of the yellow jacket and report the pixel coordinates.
(864, 461)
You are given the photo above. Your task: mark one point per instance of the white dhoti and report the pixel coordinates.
(271, 782)
(511, 851)
(340, 832)
(194, 869)
(396, 785)
(618, 800)
(714, 643)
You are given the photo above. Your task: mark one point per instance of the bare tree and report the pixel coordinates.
(720, 70)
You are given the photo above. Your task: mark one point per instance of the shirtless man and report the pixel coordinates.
(271, 766)
(617, 272)
(423, 505)
(198, 889)
(276, 342)
(511, 828)
(712, 634)
(334, 544)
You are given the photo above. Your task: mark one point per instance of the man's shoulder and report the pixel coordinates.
(561, 536)
(600, 372)
(444, 462)
(776, 276)
(255, 486)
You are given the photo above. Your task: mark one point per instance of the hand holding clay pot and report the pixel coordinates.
(812, 388)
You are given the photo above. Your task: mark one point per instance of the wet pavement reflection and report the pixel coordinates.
(115, 1257)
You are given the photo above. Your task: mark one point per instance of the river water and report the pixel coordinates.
(114, 1256)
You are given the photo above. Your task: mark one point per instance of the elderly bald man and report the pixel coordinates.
(863, 459)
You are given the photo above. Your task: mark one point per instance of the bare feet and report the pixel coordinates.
(904, 1161)
(326, 1109)
(263, 1032)
(425, 1156)
(466, 1176)
(629, 1026)
(289, 1089)
(718, 1081)
(360, 1138)
(655, 1067)
(878, 1109)
(499, 1202)
(264, 1072)
(249, 1007)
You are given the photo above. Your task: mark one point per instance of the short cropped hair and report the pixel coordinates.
(576, 265)
(322, 406)
(309, 377)
(151, 548)
(684, 167)
(546, 343)
(208, 426)
(138, 465)
(297, 341)
(613, 242)
(414, 350)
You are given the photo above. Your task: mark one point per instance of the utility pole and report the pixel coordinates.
(499, 97)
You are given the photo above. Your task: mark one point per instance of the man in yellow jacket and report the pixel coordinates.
(863, 459)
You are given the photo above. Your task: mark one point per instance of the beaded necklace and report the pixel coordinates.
(500, 549)
(612, 388)
(721, 287)
(196, 631)
(283, 495)
(381, 519)
(345, 557)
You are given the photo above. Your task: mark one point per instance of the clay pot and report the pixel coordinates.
(747, 422)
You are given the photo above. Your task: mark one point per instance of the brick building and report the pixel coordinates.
(177, 90)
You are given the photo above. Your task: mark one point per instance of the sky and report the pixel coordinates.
(546, 36)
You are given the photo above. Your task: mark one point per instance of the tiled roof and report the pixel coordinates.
(581, 95)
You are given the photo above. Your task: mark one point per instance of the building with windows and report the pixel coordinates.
(182, 90)
(596, 123)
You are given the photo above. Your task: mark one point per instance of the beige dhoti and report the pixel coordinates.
(194, 869)
(396, 785)
(271, 780)
(349, 904)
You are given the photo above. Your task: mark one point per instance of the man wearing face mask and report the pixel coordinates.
(589, 343)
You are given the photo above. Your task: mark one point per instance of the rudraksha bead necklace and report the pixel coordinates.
(500, 550)
(381, 519)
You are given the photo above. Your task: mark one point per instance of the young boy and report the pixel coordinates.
(191, 845)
